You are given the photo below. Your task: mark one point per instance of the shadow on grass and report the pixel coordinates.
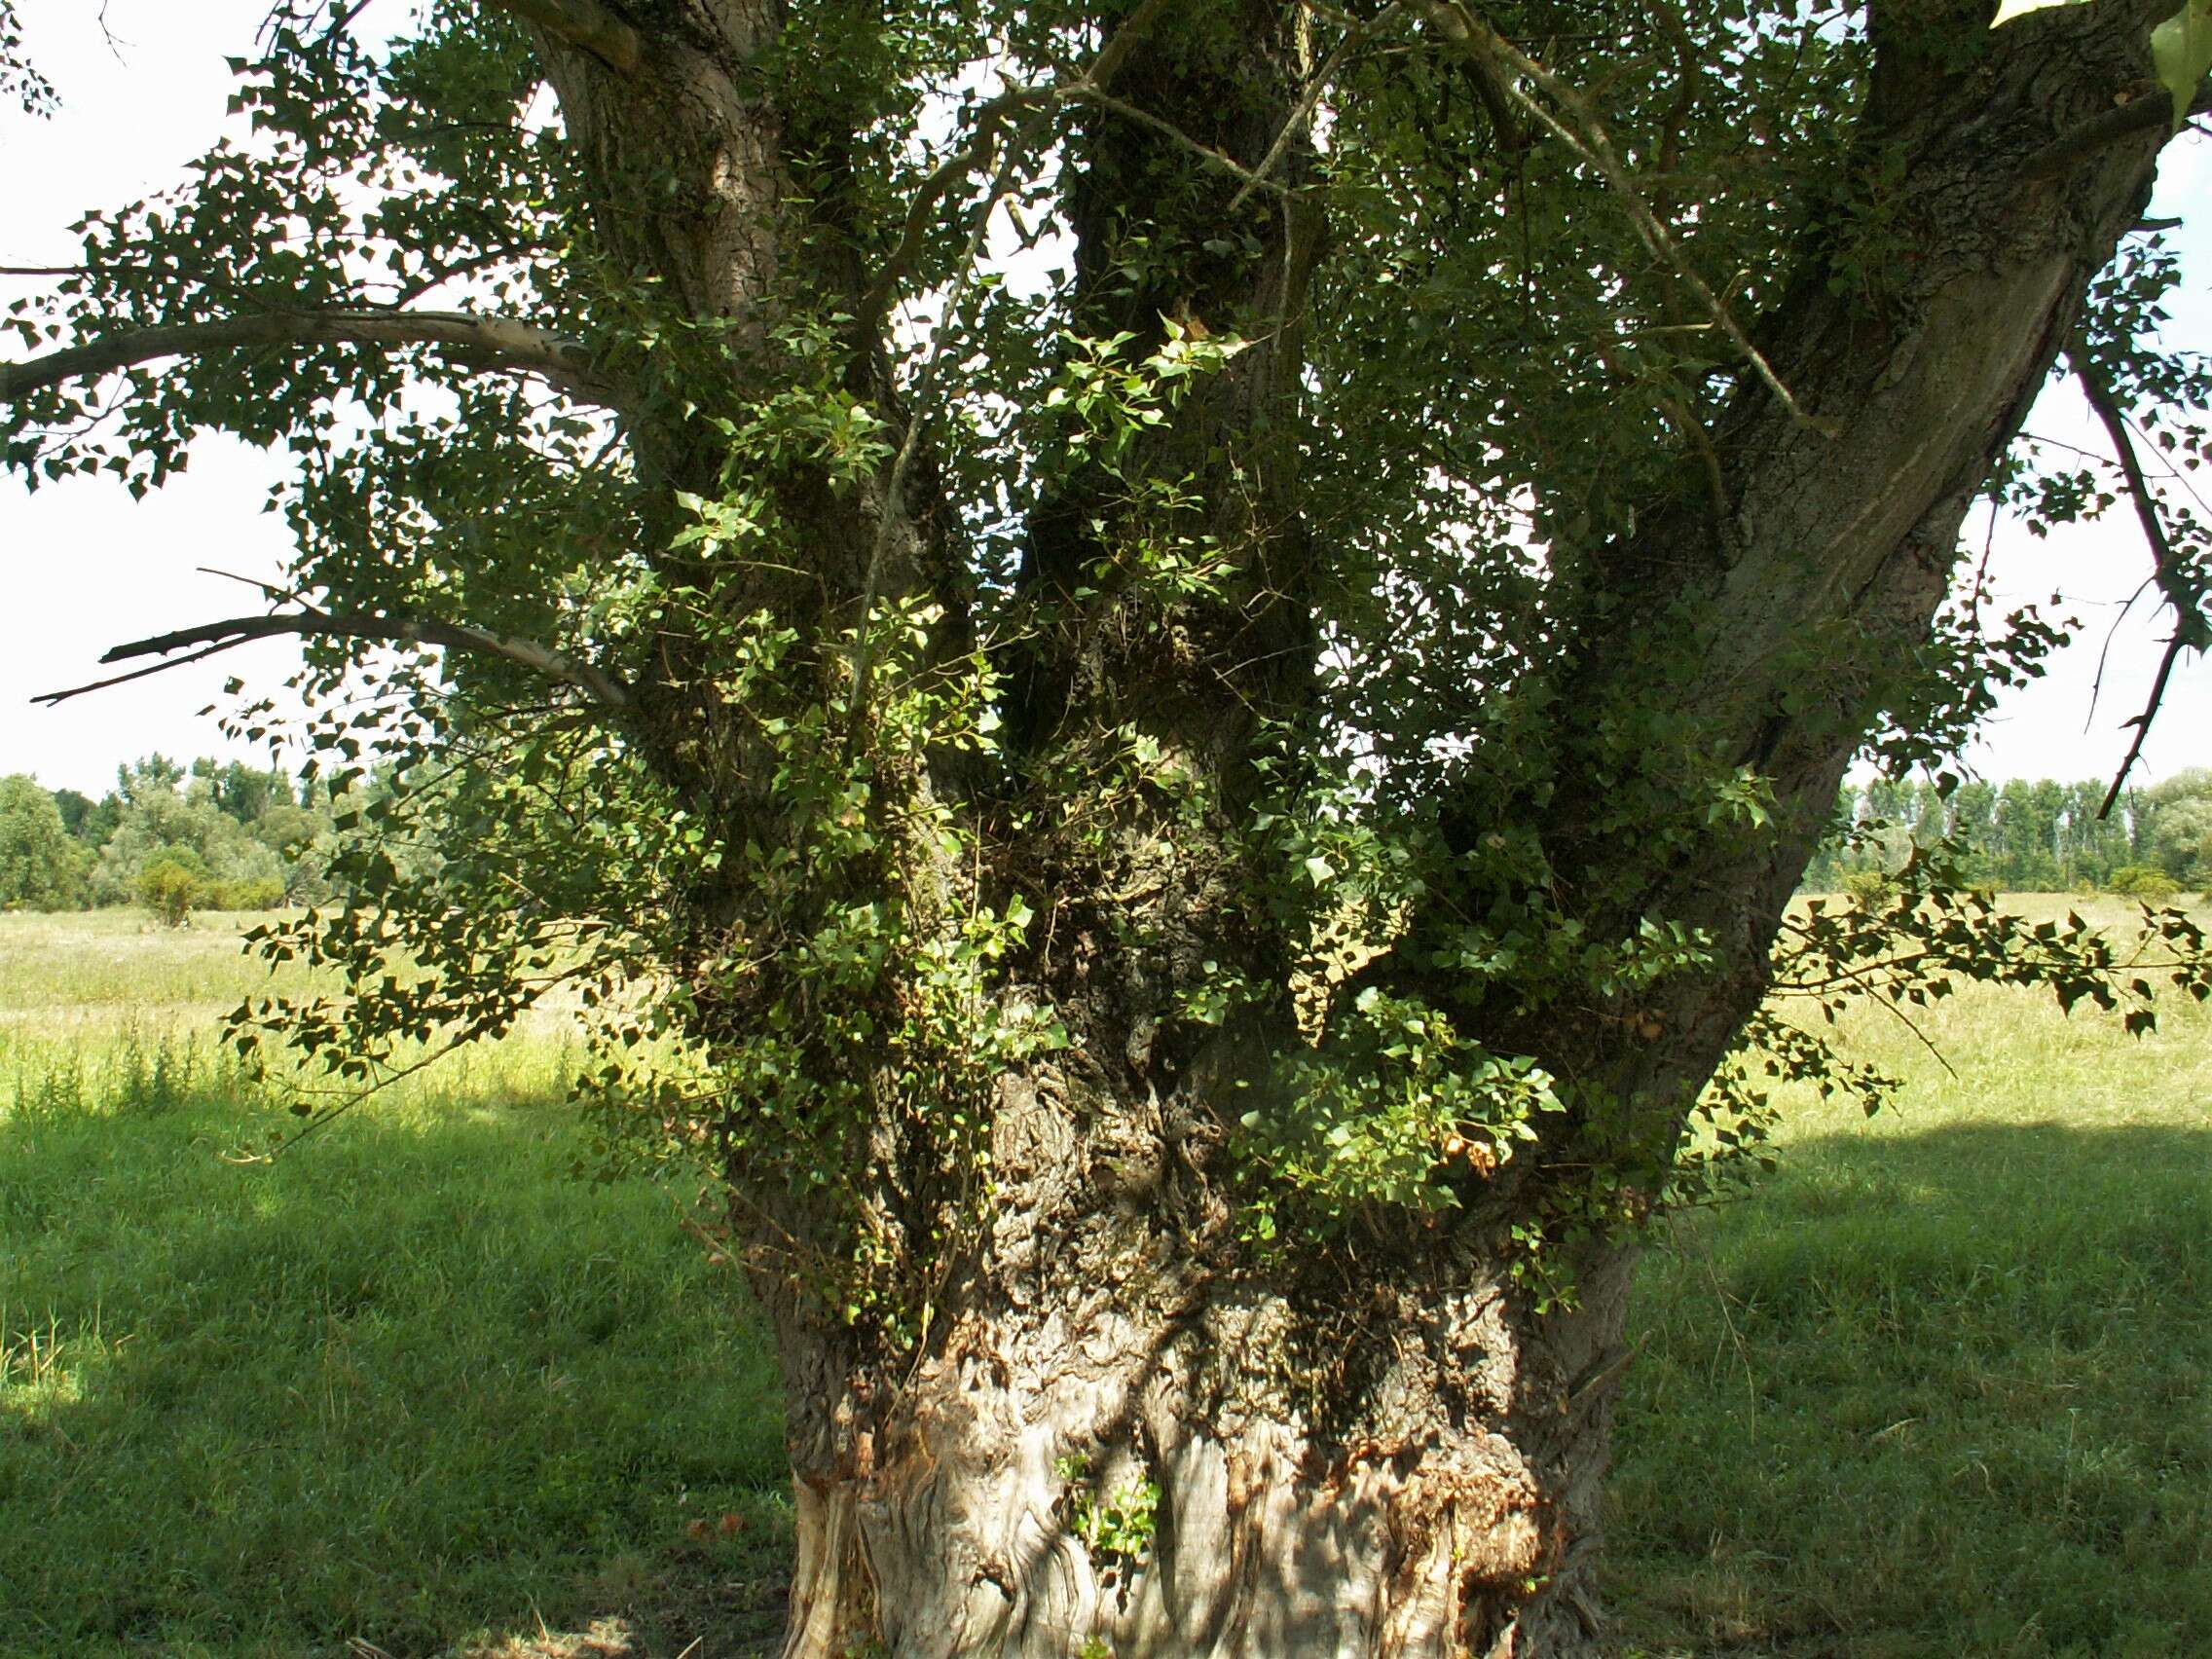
(413, 1385)
(1942, 1394)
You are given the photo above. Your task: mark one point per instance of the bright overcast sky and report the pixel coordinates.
(86, 567)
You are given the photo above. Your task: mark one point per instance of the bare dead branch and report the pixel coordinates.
(2099, 393)
(53, 697)
(2142, 721)
(2166, 565)
(588, 26)
(223, 636)
(268, 590)
(494, 344)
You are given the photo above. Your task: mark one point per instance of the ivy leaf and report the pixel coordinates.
(2181, 50)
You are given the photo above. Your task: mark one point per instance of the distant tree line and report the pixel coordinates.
(172, 837)
(232, 837)
(2023, 836)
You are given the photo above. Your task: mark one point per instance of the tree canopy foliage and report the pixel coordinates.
(243, 837)
(1161, 672)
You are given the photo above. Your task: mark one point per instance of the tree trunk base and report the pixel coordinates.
(1415, 1480)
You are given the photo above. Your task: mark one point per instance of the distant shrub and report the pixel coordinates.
(2151, 885)
(254, 893)
(1868, 888)
(172, 883)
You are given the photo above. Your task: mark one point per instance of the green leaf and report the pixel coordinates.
(2181, 50)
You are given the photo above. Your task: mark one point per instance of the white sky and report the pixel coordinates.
(84, 566)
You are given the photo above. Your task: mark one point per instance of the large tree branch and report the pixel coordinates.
(2147, 108)
(214, 637)
(588, 26)
(498, 344)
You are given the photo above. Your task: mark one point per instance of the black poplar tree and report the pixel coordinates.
(1163, 670)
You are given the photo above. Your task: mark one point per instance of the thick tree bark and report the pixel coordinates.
(1117, 1442)
(1781, 620)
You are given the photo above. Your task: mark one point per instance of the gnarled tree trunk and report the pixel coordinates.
(1121, 1450)
(1121, 1428)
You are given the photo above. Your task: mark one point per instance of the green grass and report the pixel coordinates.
(1943, 1384)
(410, 1385)
(1938, 1387)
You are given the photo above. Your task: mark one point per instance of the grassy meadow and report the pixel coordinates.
(1942, 1385)
(412, 1387)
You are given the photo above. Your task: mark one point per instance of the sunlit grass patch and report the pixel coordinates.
(78, 972)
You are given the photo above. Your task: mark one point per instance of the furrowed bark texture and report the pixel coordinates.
(1395, 1471)
(1121, 1438)
(1119, 1431)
